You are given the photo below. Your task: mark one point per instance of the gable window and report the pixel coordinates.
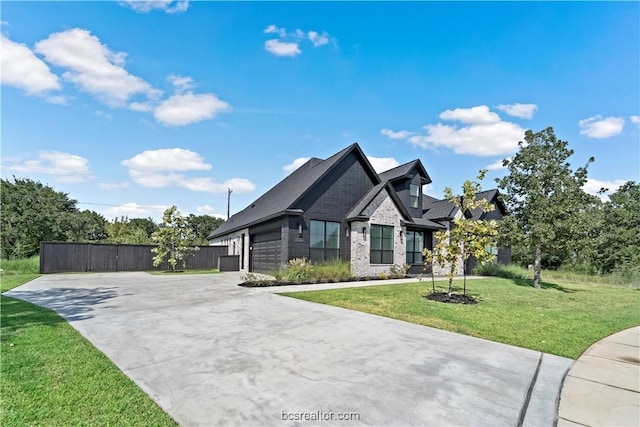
(381, 244)
(415, 244)
(325, 240)
(414, 196)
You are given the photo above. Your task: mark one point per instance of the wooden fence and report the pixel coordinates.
(60, 257)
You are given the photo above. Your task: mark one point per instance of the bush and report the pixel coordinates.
(21, 266)
(506, 271)
(334, 270)
(298, 270)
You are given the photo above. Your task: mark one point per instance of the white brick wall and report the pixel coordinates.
(234, 243)
(384, 213)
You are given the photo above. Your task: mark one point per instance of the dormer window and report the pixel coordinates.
(414, 196)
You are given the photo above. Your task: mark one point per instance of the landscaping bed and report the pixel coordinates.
(268, 283)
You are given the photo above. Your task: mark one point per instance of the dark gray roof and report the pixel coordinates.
(356, 212)
(403, 171)
(285, 194)
(439, 209)
(444, 209)
(425, 223)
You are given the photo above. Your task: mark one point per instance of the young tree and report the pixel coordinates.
(544, 196)
(467, 237)
(173, 238)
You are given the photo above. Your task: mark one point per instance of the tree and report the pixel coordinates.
(31, 213)
(620, 242)
(203, 225)
(467, 237)
(147, 224)
(545, 197)
(122, 230)
(173, 238)
(86, 226)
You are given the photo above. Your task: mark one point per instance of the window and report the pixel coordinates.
(414, 196)
(415, 244)
(381, 244)
(325, 240)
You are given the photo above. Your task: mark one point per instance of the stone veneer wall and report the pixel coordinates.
(381, 211)
(236, 237)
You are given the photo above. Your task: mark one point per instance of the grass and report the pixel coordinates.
(182, 272)
(53, 376)
(562, 319)
(516, 272)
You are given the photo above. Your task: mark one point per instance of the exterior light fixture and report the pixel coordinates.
(364, 233)
(299, 229)
(401, 235)
(346, 231)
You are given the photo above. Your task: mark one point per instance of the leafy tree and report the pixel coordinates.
(467, 237)
(86, 226)
(121, 230)
(203, 225)
(31, 213)
(173, 238)
(545, 197)
(147, 224)
(620, 243)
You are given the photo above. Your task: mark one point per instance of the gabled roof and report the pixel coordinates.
(281, 199)
(356, 212)
(443, 209)
(491, 196)
(403, 171)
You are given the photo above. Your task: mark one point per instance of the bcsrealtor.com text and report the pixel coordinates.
(319, 416)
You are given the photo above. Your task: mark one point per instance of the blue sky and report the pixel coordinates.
(134, 107)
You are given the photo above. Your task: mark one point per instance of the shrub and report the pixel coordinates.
(506, 271)
(298, 270)
(334, 270)
(399, 271)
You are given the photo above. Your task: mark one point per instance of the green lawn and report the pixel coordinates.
(53, 376)
(561, 318)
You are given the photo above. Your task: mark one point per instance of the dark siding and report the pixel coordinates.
(60, 257)
(330, 200)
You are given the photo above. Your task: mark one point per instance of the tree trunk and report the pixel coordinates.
(464, 274)
(537, 267)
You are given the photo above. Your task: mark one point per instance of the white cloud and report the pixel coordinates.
(635, 120)
(64, 167)
(484, 133)
(381, 164)
(21, 68)
(318, 39)
(187, 108)
(181, 83)
(600, 128)
(295, 164)
(271, 29)
(134, 210)
(592, 186)
(523, 111)
(209, 210)
(288, 44)
(280, 48)
(157, 169)
(169, 6)
(474, 115)
(497, 165)
(167, 159)
(93, 67)
(57, 99)
(142, 107)
(111, 186)
(402, 134)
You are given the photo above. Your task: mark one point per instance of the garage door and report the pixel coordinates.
(266, 250)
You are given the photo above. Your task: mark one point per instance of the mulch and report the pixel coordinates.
(451, 299)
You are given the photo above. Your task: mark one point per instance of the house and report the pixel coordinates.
(341, 208)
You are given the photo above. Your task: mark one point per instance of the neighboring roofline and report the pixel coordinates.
(292, 212)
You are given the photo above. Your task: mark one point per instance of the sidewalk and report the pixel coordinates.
(603, 386)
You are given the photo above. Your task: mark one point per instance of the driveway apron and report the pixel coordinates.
(211, 353)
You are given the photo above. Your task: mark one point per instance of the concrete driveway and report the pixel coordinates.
(212, 353)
